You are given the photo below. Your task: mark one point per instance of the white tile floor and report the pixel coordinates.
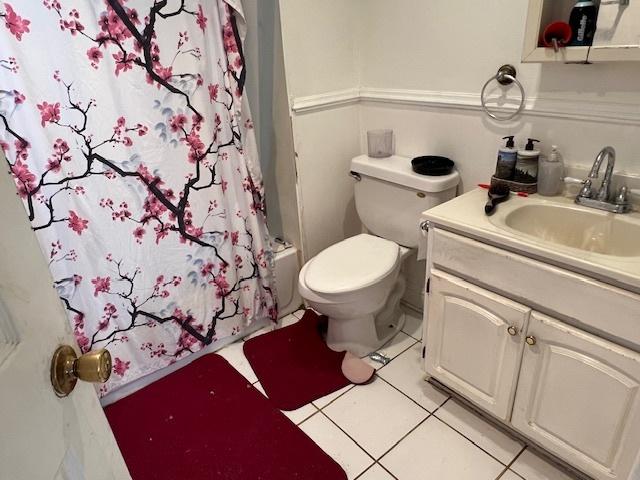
(400, 427)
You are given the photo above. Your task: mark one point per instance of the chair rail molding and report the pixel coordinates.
(325, 101)
(575, 109)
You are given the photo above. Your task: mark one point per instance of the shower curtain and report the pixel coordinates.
(126, 130)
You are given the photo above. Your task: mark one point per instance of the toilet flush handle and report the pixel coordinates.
(355, 175)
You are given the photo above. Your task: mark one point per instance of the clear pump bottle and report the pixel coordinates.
(550, 174)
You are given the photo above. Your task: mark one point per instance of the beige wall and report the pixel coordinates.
(320, 44)
(319, 41)
(426, 63)
(447, 46)
(435, 47)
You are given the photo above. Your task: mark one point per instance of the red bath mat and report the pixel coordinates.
(294, 364)
(205, 421)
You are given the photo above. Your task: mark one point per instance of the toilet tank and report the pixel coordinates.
(390, 196)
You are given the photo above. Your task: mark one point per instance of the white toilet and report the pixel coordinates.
(357, 282)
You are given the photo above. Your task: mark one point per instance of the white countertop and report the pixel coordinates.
(465, 215)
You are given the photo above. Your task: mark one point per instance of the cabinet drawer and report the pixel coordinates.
(590, 304)
(475, 342)
(579, 397)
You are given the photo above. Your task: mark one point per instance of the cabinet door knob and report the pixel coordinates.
(513, 331)
(531, 340)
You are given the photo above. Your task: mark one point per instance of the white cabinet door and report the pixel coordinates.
(578, 397)
(474, 342)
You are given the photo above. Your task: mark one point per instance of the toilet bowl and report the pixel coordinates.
(357, 283)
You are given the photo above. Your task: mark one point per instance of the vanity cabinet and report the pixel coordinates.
(475, 341)
(577, 396)
(552, 376)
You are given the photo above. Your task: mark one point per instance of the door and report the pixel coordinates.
(42, 437)
(474, 342)
(578, 397)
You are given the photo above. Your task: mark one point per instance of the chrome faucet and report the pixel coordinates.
(602, 199)
(610, 154)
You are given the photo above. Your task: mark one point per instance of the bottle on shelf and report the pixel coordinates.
(582, 20)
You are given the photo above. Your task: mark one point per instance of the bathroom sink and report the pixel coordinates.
(576, 227)
(603, 245)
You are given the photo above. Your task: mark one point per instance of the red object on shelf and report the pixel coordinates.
(207, 422)
(560, 32)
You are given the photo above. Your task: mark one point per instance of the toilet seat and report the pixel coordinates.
(351, 264)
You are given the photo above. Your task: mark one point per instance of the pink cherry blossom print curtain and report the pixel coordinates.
(124, 126)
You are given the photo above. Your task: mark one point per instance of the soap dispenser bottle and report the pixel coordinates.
(506, 164)
(551, 174)
(527, 164)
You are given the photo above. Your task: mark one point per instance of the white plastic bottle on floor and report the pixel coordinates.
(550, 174)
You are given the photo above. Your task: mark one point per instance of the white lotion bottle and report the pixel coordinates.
(550, 174)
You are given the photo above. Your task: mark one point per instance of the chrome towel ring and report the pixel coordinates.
(506, 76)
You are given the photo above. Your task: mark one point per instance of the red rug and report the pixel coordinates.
(205, 421)
(294, 364)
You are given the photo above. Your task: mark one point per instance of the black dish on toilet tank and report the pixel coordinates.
(432, 165)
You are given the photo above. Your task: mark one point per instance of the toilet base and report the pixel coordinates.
(367, 333)
(361, 336)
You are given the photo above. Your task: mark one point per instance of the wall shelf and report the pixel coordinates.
(543, 12)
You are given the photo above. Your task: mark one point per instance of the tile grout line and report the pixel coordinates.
(403, 437)
(397, 389)
(373, 465)
(351, 438)
(386, 470)
(472, 442)
(508, 467)
(307, 418)
(333, 400)
(514, 461)
(400, 353)
(453, 428)
(348, 436)
(365, 471)
(431, 414)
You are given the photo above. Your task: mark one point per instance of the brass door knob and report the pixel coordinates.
(513, 331)
(67, 368)
(531, 340)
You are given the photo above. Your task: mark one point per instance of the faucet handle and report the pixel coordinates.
(586, 191)
(573, 181)
(622, 197)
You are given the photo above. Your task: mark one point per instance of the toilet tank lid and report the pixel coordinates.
(351, 264)
(397, 169)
